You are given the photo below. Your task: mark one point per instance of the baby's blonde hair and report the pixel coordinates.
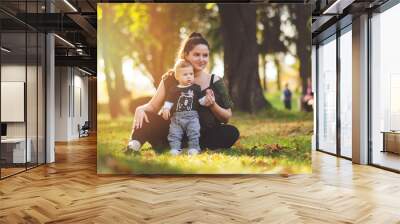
(181, 63)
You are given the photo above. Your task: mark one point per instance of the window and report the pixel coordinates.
(22, 68)
(385, 88)
(327, 96)
(346, 93)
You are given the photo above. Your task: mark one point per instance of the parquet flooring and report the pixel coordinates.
(9, 171)
(70, 191)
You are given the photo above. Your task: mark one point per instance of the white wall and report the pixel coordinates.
(62, 81)
(385, 74)
(71, 94)
(33, 126)
(80, 110)
(14, 73)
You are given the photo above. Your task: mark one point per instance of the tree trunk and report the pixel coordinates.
(238, 26)
(278, 73)
(263, 72)
(113, 85)
(114, 105)
(271, 34)
(303, 43)
(159, 56)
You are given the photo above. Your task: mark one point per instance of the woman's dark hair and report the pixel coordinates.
(190, 42)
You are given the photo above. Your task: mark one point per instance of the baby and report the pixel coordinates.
(183, 100)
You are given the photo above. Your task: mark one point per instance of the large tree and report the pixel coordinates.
(238, 27)
(148, 33)
(157, 45)
(115, 82)
(271, 35)
(301, 15)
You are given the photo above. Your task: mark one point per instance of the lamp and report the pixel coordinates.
(84, 71)
(337, 7)
(5, 50)
(64, 40)
(70, 5)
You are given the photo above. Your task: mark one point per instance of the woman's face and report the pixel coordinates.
(198, 57)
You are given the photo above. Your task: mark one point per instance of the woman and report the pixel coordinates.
(215, 133)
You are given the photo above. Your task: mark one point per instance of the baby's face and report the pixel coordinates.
(185, 76)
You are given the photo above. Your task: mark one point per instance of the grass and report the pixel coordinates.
(274, 141)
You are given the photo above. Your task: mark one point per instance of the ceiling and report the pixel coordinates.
(332, 15)
(75, 23)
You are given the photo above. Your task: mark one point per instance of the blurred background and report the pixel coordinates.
(256, 48)
(262, 51)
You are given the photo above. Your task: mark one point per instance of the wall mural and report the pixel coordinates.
(204, 88)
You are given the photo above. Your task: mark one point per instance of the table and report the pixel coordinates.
(15, 148)
(391, 141)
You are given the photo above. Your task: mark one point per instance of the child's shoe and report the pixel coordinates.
(193, 152)
(134, 145)
(175, 152)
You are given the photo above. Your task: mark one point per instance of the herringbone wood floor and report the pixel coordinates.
(70, 191)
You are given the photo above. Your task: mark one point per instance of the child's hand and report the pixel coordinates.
(210, 93)
(210, 98)
(165, 114)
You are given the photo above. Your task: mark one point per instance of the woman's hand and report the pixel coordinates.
(222, 114)
(210, 98)
(140, 116)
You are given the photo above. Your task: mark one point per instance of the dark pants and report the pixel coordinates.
(288, 104)
(156, 131)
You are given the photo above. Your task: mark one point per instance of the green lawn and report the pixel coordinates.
(277, 141)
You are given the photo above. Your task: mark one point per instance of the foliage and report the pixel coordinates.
(272, 39)
(271, 142)
(151, 33)
(113, 28)
(241, 60)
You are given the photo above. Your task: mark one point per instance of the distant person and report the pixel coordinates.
(287, 97)
(308, 98)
